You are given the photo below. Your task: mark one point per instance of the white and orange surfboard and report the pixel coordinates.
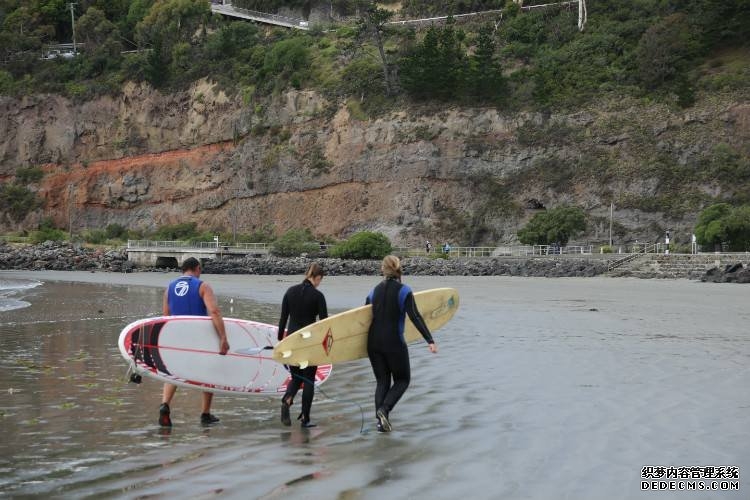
(184, 350)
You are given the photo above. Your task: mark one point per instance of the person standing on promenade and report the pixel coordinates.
(389, 356)
(300, 307)
(189, 296)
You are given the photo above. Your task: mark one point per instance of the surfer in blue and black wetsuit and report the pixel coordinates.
(389, 356)
(189, 296)
(301, 305)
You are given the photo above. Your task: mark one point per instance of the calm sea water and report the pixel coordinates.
(543, 388)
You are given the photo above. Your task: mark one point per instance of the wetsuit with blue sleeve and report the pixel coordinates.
(183, 297)
(391, 302)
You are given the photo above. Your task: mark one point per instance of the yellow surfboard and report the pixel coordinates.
(343, 337)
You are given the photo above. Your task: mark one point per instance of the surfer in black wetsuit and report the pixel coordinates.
(391, 302)
(301, 305)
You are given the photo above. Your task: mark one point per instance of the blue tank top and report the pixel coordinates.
(184, 299)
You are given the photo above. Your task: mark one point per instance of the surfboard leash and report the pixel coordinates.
(132, 374)
(361, 410)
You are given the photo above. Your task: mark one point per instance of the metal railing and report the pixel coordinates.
(63, 50)
(639, 250)
(458, 251)
(443, 18)
(196, 245)
(496, 251)
(228, 9)
(521, 251)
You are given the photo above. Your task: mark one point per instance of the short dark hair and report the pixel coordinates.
(190, 264)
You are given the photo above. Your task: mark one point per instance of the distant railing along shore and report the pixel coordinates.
(621, 253)
(199, 245)
(496, 251)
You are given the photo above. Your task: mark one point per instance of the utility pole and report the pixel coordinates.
(70, 211)
(234, 213)
(582, 14)
(73, 24)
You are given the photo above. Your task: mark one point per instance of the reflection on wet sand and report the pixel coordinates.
(543, 388)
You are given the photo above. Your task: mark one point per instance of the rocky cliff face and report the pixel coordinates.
(45, 129)
(143, 158)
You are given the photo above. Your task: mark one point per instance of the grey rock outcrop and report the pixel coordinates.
(143, 159)
(58, 256)
(732, 273)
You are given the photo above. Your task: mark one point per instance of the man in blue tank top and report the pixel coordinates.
(189, 296)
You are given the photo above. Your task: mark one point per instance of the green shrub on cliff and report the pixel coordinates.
(556, 225)
(95, 236)
(17, 201)
(29, 175)
(111, 234)
(180, 231)
(287, 62)
(364, 245)
(6, 83)
(724, 227)
(47, 234)
(295, 242)
(116, 232)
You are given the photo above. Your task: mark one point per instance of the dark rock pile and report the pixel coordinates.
(290, 266)
(417, 266)
(61, 256)
(734, 273)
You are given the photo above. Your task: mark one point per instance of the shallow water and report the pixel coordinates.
(543, 388)
(11, 289)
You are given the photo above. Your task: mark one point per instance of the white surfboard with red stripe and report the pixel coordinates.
(184, 350)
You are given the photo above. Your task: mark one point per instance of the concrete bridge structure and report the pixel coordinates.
(226, 8)
(170, 254)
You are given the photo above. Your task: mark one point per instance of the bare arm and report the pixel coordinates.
(165, 305)
(207, 294)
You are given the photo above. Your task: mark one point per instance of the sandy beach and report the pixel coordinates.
(543, 388)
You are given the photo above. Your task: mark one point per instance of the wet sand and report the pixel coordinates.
(543, 388)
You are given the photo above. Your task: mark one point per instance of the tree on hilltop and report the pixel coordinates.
(372, 24)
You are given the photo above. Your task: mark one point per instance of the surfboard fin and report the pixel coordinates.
(303, 364)
(306, 334)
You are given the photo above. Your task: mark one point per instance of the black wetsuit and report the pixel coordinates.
(301, 305)
(391, 302)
